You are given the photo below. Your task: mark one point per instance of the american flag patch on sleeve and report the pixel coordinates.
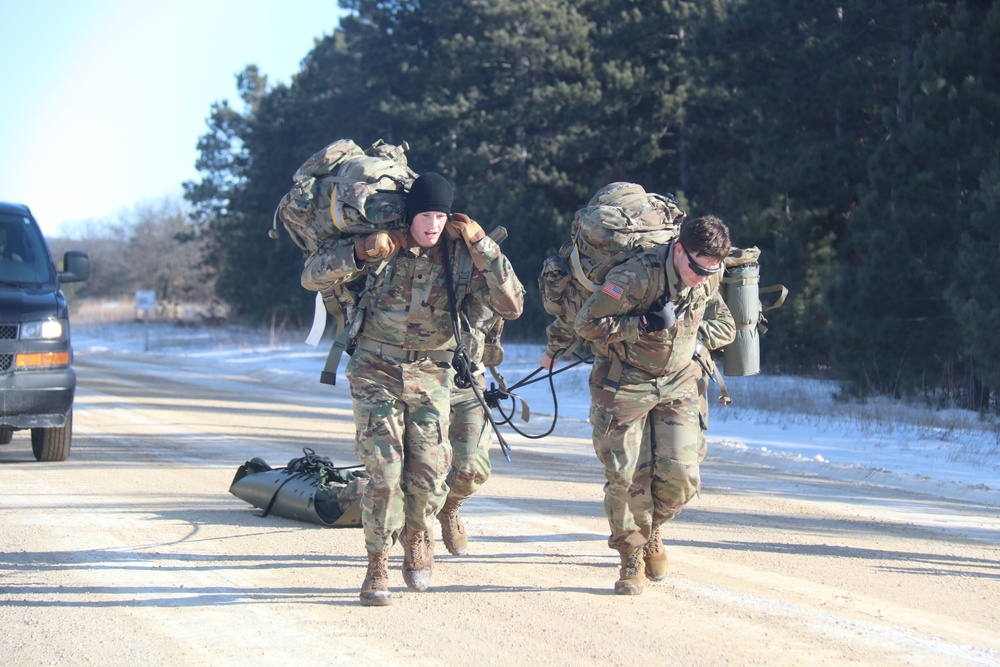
(612, 290)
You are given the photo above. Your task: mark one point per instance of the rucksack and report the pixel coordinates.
(619, 220)
(622, 220)
(343, 189)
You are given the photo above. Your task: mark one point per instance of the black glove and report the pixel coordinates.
(660, 316)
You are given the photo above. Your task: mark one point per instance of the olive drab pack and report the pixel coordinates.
(742, 295)
(343, 190)
(620, 219)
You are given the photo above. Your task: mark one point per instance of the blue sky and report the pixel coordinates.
(104, 100)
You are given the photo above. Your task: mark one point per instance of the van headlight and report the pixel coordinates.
(45, 330)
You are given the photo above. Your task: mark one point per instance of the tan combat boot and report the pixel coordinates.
(631, 577)
(418, 558)
(452, 529)
(375, 589)
(655, 556)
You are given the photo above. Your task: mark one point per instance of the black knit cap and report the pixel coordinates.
(430, 192)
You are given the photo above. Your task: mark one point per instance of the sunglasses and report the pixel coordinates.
(698, 268)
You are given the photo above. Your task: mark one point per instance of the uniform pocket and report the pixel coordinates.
(600, 420)
(376, 435)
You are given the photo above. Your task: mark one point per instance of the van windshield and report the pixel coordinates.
(24, 257)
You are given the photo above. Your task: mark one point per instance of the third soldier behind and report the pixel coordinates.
(470, 435)
(644, 325)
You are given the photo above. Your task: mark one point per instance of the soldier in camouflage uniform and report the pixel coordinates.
(562, 297)
(644, 325)
(400, 372)
(470, 435)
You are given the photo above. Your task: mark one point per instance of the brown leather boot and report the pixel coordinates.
(631, 577)
(375, 589)
(418, 558)
(452, 529)
(655, 556)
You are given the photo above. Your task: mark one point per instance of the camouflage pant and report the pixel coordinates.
(401, 417)
(470, 437)
(649, 479)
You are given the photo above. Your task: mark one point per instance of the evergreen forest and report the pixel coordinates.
(855, 142)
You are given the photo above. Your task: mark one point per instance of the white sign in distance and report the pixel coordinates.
(145, 300)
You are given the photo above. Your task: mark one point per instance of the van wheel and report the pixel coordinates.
(6, 433)
(52, 444)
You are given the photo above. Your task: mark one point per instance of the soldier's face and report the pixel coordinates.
(426, 228)
(693, 268)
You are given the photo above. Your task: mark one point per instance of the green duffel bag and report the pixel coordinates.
(310, 488)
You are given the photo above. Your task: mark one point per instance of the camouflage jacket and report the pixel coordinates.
(562, 297)
(609, 319)
(410, 308)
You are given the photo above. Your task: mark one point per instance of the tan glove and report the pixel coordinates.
(467, 227)
(379, 246)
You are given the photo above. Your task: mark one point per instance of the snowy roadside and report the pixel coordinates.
(881, 444)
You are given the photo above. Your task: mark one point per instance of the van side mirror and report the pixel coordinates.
(76, 267)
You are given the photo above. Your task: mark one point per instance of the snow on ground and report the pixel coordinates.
(786, 423)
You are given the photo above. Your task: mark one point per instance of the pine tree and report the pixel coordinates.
(234, 205)
(787, 122)
(959, 99)
(894, 328)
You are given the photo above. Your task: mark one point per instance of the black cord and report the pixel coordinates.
(461, 361)
(465, 369)
(495, 395)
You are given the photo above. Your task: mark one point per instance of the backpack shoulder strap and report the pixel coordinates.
(655, 261)
(576, 266)
(350, 328)
(463, 263)
(463, 273)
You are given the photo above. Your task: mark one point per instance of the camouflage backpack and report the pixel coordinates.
(620, 219)
(345, 190)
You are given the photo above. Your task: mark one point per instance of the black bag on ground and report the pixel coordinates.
(309, 488)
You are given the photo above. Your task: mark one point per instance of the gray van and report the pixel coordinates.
(37, 382)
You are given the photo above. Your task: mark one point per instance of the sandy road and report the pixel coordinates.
(133, 552)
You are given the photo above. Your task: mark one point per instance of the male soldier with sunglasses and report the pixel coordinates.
(644, 325)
